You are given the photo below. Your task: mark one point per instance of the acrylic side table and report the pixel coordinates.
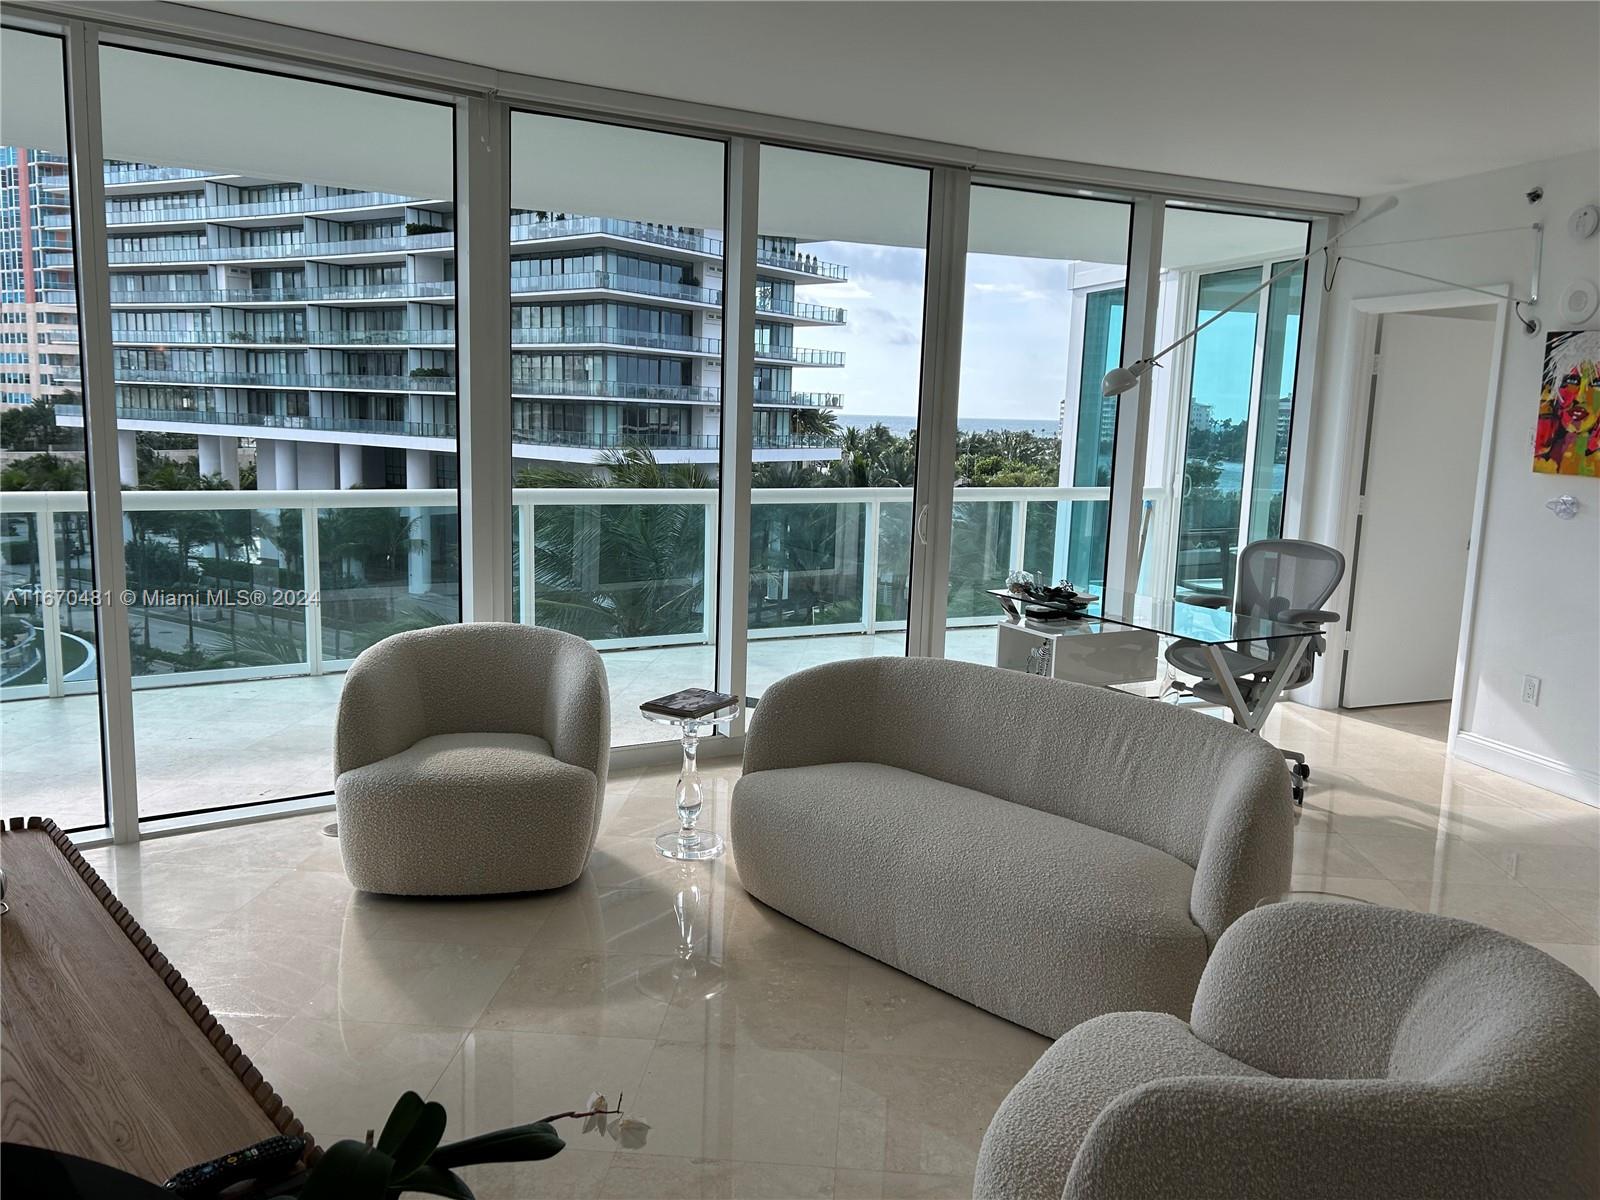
(688, 842)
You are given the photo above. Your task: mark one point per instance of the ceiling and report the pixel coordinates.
(1352, 98)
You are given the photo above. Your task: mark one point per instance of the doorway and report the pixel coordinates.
(1409, 571)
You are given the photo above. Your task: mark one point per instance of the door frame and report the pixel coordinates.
(1369, 313)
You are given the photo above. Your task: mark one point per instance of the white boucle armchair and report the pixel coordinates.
(471, 759)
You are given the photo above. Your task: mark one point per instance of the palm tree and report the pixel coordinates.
(620, 570)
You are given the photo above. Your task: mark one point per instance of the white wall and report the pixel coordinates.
(1537, 606)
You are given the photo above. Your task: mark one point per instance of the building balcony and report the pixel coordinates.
(441, 290)
(169, 213)
(614, 281)
(146, 173)
(354, 247)
(769, 398)
(242, 423)
(800, 356)
(530, 229)
(284, 380)
(611, 389)
(813, 268)
(606, 335)
(799, 310)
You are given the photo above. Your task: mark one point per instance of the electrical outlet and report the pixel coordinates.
(1530, 690)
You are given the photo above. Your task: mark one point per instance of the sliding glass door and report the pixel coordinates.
(617, 385)
(283, 315)
(49, 690)
(840, 262)
(1034, 436)
(1224, 408)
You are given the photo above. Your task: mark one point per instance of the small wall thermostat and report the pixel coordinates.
(1585, 222)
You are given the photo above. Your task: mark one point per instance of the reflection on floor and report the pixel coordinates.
(766, 1059)
(1430, 720)
(220, 744)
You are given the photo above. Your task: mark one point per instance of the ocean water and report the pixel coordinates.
(903, 425)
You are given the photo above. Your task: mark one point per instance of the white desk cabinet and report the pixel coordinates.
(1084, 651)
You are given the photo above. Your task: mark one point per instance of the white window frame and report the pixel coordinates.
(483, 100)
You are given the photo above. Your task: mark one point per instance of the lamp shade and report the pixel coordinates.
(1120, 379)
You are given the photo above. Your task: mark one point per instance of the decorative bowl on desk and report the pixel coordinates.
(1031, 602)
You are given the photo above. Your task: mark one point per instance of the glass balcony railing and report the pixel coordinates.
(156, 214)
(818, 314)
(146, 173)
(531, 229)
(778, 399)
(843, 555)
(607, 335)
(523, 284)
(380, 337)
(340, 293)
(802, 264)
(800, 356)
(206, 337)
(291, 380)
(407, 244)
(71, 415)
(611, 389)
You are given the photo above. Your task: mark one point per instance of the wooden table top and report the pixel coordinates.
(105, 1051)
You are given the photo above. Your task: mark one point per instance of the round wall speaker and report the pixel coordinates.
(1579, 302)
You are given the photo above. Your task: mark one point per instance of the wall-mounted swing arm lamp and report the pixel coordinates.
(1120, 379)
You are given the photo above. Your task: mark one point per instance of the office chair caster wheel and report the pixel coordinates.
(1303, 770)
(1299, 796)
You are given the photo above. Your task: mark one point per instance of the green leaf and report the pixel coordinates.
(435, 1181)
(349, 1170)
(520, 1143)
(426, 1130)
(401, 1118)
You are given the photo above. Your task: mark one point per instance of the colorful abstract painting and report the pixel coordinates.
(1568, 438)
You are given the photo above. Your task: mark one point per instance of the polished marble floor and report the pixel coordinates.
(766, 1060)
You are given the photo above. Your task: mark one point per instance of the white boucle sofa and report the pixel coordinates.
(471, 759)
(1047, 851)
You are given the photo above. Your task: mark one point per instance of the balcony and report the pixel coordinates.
(802, 264)
(340, 293)
(611, 389)
(848, 603)
(799, 356)
(161, 214)
(145, 173)
(71, 415)
(408, 244)
(608, 335)
(524, 284)
(815, 314)
(768, 398)
(284, 380)
(529, 229)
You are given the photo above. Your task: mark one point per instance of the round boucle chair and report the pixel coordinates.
(471, 759)
(1335, 1051)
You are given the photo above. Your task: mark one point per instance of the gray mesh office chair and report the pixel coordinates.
(1281, 579)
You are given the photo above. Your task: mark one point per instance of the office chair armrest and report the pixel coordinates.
(1309, 616)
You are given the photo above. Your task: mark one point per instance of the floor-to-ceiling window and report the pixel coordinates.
(616, 398)
(50, 760)
(283, 323)
(840, 265)
(1224, 401)
(1043, 321)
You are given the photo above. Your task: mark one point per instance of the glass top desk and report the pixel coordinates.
(1216, 628)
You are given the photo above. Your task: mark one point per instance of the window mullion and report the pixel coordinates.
(113, 651)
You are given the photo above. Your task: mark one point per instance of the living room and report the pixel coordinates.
(799, 600)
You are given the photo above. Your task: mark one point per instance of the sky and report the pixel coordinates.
(1014, 347)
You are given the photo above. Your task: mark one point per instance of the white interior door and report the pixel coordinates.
(1423, 439)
